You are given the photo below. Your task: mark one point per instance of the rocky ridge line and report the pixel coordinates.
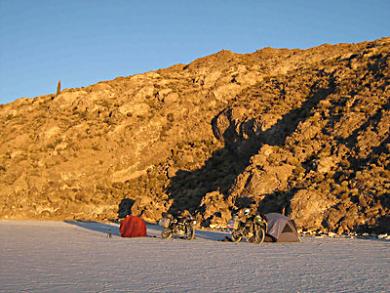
(303, 130)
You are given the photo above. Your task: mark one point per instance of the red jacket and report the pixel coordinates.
(132, 226)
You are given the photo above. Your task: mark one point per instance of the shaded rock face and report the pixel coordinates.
(302, 130)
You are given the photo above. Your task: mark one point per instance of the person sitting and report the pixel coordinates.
(132, 226)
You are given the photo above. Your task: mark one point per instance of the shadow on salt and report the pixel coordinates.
(152, 230)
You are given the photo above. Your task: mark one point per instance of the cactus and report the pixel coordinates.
(58, 88)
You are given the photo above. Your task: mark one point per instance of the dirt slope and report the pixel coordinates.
(304, 130)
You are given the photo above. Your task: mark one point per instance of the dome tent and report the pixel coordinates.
(280, 229)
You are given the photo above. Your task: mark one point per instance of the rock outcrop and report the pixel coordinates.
(302, 130)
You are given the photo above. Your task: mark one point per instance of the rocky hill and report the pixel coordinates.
(302, 130)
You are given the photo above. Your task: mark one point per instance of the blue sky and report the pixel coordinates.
(81, 42)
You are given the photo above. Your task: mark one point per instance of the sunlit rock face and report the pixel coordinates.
(306, 131)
